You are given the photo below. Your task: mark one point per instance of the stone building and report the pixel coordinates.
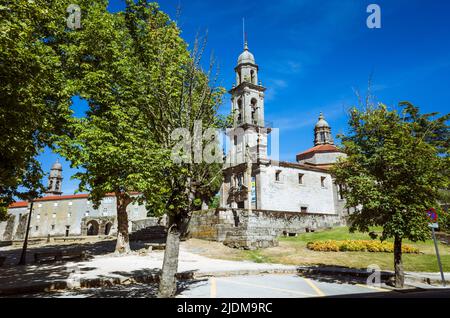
(65, 215)
(261, 198)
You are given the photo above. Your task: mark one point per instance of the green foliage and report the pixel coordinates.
(393, 170)
(34, 102)
(141, 83)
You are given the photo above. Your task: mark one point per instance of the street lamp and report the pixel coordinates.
(23, 257)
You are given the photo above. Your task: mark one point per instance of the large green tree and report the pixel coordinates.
(141, 83)
(181, 95)
(34, 102)
(393, 172)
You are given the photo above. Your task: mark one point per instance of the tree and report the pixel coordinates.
(181, 95)
(112, 145)
(393, 173)
(134, 70)
(34, 103)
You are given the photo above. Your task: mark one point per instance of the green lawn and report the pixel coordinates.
(292, 250)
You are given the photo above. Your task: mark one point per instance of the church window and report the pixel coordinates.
(36, 227)
(239, 119)
(235, 140)
(340, 189)
(322, 181)
(239, 181)
(322, 136)
(300, 178)
(304, 209)
(254, 103)
(278, 175)
(252, 75)
(53, 226)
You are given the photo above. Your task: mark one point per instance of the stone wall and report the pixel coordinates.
(257, 228)
(137, 225)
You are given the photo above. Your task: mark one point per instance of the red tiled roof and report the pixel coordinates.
(317, 149)
(21, 204)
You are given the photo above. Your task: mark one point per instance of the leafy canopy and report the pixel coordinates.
(393, 170)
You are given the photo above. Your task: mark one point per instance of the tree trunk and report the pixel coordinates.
(398, 264)
(123, 240)
(168, 283)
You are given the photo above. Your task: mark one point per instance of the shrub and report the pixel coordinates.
(357, 246)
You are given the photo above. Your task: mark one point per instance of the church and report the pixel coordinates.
(301, 186)
(260, 199)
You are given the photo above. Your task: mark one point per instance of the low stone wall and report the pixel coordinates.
(245, 229)
(144, 223)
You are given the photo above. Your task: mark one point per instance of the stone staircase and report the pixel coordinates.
(154, 234)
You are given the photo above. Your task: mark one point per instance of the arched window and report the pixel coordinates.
(322, 136)
(252, 75)
(239, 119)
(254, 103)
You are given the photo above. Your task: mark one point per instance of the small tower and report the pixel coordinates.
(55, 179)
(322, 132)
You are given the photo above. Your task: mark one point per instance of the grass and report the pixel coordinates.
(293, 251)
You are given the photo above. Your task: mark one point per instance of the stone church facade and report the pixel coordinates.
(262, 198)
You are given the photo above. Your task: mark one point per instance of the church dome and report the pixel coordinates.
(57, 165)
(322, 122)
(246, 56)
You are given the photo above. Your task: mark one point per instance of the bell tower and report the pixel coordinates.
(322, 132)
(247, 151)
(247, 106)
(55, 179)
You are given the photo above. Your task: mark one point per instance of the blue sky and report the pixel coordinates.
(314, 54)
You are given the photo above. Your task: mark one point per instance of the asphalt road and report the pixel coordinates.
(272, 286)
(252, 286)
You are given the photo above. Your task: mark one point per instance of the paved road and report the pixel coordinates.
(251, 286)
(274, 286)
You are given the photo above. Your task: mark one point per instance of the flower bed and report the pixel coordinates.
(358, 246)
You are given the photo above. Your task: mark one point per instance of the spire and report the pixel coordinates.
(322, 132)
(55, 179)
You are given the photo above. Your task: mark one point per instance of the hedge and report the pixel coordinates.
(357, 246)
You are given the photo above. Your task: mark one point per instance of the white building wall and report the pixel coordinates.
(53, 217)
(288, 195)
